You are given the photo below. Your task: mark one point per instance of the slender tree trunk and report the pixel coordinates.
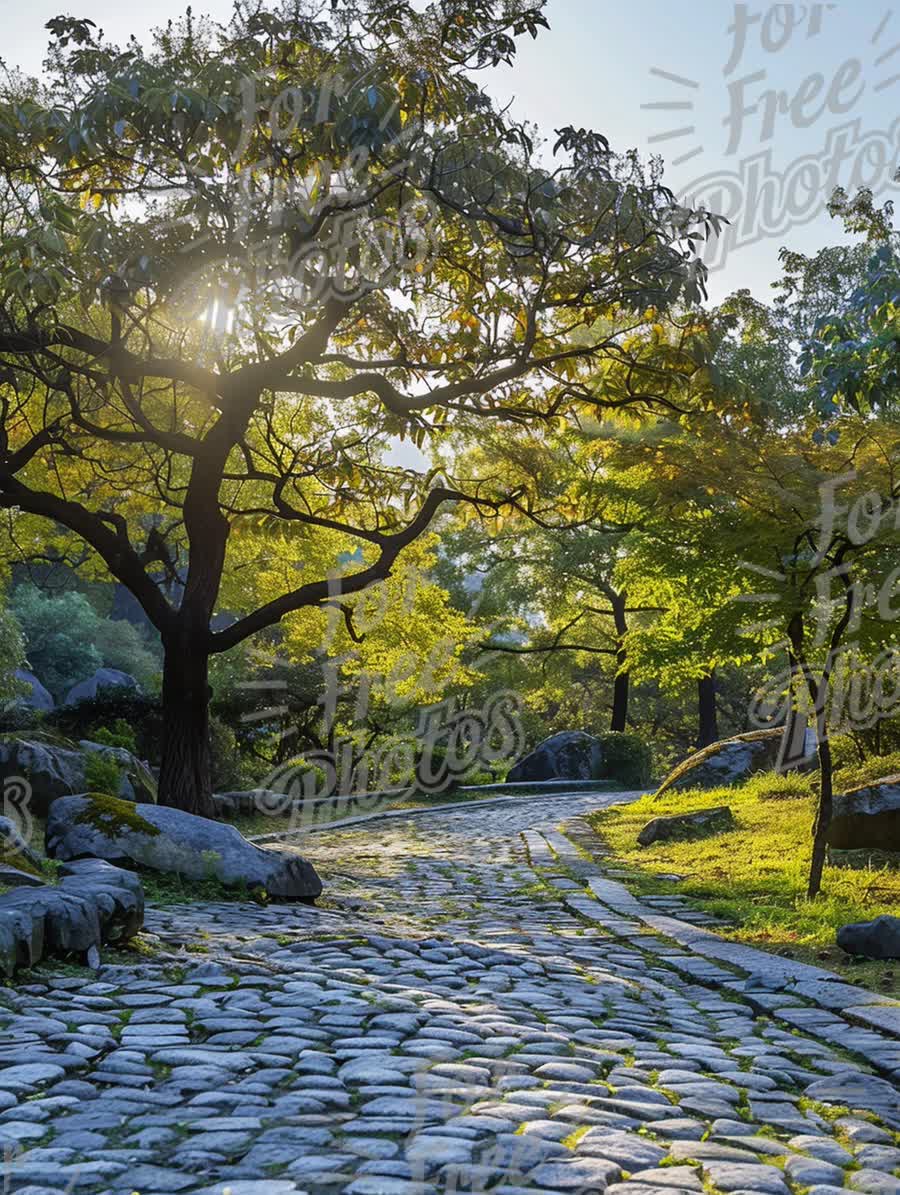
(184, 779)
(708, 717)
(818, 692)
(823, 815)
(619, 602)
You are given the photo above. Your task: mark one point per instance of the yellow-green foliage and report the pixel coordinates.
(754, 874)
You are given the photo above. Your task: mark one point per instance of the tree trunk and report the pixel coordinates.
(620, 698)
(708, 717)
(818, 692)
(184, 779)
(823, 815)
(619, 603)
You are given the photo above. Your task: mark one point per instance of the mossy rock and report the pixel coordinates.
(730, 761)
(172, 841)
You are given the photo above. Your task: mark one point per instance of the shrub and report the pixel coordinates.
(229, 773)
(102, 774)
(121, 645)
(12, 656)
(432, 774)
(845, 751)
(140, 713)
(479, 778)
(876, 767)
(627, 759)
(121, 735)
(305, 779)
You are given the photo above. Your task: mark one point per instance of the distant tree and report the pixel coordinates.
(59, 636)
(781, 546)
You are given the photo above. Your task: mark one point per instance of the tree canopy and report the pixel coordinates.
(239, 261)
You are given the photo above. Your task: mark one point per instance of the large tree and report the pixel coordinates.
(236, 264)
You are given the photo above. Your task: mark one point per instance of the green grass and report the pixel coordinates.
(167, 888)
(754, 875)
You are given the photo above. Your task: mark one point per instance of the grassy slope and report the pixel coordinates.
(755, 874)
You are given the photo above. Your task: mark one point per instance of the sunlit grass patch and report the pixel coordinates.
(754, 874)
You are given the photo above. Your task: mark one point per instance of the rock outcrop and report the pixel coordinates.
(686, 825)
(871, 939)
(53, 772)
(103, 678)
(731, 761)
(569, 755)
(93, 903)
(867, 817)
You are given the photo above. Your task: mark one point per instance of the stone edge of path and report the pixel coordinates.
(448, 807)
(769, 976)
(819, 987)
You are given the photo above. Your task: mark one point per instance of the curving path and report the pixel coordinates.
(476, 1008)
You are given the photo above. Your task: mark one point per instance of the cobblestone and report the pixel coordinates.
(476, 1006)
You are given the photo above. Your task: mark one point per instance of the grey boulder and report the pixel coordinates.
(21, 935)
(117, 893)
(71, 919)
(255, 800)
(867, 817)
(92, 904)
(568, 755)
(172, 841)
(52, 772)
(686, 825)
(103, 678)
(731, 761)
(871, 939)
(37, 696)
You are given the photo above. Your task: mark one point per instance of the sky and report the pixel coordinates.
(759, 110)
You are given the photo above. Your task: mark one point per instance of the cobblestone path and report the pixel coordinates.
(476, 1007)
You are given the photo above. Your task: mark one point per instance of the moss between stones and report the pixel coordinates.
(111, 815)
(12, 858)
